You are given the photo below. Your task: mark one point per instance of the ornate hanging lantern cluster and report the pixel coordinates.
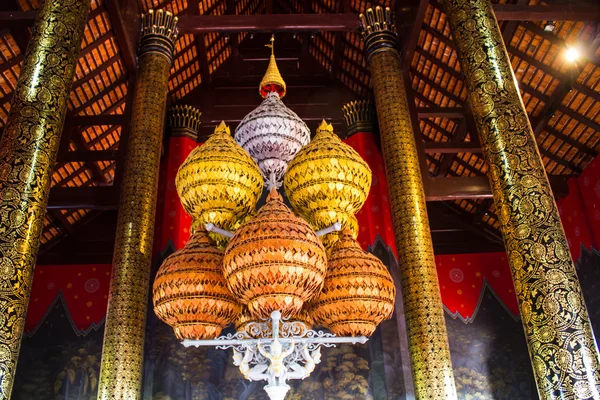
(275, 264)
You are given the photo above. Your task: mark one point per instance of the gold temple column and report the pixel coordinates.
(561, 344)
(427, 337)
(123, 349)
(28, 151)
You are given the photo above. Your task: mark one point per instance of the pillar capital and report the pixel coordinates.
(359, 116)
(184, 121)
(159, 33)
(378, 31)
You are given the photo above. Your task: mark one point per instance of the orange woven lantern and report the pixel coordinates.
(358, 293)
(190, 293)
(275, 261)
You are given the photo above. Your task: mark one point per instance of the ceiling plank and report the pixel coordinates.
(441, 112)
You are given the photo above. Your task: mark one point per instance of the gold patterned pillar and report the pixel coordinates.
(28, 151)
(427, 337)
(561, 344)
(122, 352)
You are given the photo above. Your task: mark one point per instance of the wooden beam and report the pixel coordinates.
(457, 138)
(124, 17)
(91, 197)
(26, 17)
(563, 12)
(441, 112)
(476, 187)
(271, 23)
(64, 224)
(451, 148)
(88, 155)
(79, 141)
(94, 120)
(410, 44)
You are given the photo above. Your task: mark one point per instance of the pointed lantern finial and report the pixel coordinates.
(222, 128)
(325, 127)
(272, 81)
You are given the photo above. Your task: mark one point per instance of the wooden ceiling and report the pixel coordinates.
(219, 73)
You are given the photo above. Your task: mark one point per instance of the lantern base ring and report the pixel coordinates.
(281, 350)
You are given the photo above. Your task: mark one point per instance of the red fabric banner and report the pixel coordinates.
(375, 217)
(84, 289)
(172, 223)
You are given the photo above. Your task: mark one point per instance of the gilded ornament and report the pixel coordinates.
(184, 121)
(190, 293)
(426, 328)
(28, 148)
(275, 261)
(272, 133)
(220, 240)
(562, 347)
(244, 323)
(219, 182)
(359, 116)
(358, 293)
(328, 181)
(125, 326)
(272, 81)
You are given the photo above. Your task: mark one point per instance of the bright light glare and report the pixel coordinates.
(572, 54)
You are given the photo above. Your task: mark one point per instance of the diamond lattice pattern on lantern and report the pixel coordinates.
(328, 182)
(219, 182)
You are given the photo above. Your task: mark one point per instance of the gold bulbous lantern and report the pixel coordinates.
(219, 182)
(190, 293)
(358, 294)
(328, 181)
(275, 261)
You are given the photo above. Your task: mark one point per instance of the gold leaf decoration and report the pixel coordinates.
(219, 182)
(328, 181)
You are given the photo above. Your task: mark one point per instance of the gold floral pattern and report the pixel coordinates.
(123, 348)
(561, 344)
(28, 151)
(428, 340)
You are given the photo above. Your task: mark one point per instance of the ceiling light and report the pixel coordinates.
(572, 54)
(550, 26)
